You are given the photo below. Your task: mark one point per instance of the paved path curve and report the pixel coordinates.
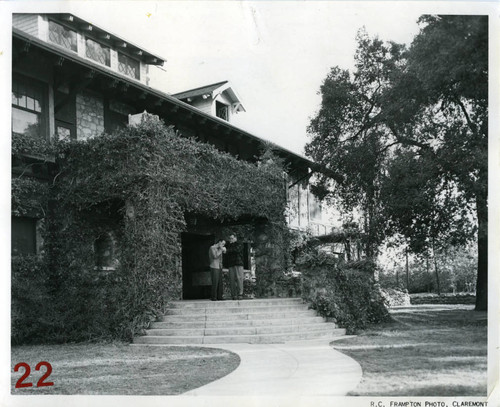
(305, 368)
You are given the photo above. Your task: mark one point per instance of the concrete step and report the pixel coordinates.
(236, 309)
(238, 316)
(234, 303)
(272, 320)
(258, 338)
(252, 330)
(236, 323)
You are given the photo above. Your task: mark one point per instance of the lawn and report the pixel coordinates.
(121, 369)
(428, 350)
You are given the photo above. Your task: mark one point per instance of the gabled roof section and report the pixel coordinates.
(203, 90)
(212, 91)
(107, 37)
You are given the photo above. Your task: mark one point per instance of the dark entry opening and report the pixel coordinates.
(196, 281)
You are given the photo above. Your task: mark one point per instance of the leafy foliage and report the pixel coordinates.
(345, 292)
(29, 196)
(32, 313)
(424, 208)
(31, 144)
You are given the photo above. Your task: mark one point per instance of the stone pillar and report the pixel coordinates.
(89, 116)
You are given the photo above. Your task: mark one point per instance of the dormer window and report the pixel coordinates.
(218, 99)
(62, 36)
(222, 111)
(128, 66)
(97, 52)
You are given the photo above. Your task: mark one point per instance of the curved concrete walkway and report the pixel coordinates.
(305, 368)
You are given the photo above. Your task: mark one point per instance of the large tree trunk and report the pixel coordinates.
(438, 284)
(482, 254)
(429, 285)
(407, 272)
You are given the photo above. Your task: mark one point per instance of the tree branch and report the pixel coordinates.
(407, 141)
(472, 126)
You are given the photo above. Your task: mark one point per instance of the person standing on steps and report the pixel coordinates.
(234, 261)
(215, 256)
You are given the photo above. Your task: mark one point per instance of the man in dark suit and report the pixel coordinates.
(233, 259)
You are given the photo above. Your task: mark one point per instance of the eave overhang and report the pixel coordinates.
(107, 38)
(292, 158)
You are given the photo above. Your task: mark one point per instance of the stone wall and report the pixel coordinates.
(89, 116)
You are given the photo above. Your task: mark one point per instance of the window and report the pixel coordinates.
(222, 111)
(128, 66)
(65, 115)
(27, 107)
(62, 36)
(114, 121)
(97, 52)
(293, 205)
(314, 207)
(23, 236)
(65, 131)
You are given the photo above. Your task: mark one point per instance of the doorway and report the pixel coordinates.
(196, 280)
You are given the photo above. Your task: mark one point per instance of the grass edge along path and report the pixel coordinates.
(428, 350)
(120, 369)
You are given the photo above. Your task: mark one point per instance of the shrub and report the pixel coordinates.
(394, 298)
(33, 316)
(346, 293)
(459, 298)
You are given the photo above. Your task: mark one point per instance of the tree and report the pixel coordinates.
(415, 117)
(348, 140)
(442, 106)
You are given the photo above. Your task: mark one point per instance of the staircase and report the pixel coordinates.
(273, 320)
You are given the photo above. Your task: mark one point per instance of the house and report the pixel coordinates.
(74, 80)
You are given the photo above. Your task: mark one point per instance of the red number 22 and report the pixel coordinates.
(27, 370)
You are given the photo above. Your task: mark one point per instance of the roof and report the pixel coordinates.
(203, 90)
(108, 37)
(213, 91)
(71, 56)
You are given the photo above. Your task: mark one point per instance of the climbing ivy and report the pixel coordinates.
(137, 185)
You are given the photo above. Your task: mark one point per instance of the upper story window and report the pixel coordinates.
(27, 107)
(97, 52)
(128, 66)
(62, 36)
(315, 209)
(222, 111)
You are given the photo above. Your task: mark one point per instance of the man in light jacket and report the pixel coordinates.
(215, 256)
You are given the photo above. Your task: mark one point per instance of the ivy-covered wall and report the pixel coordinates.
(137, 185)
